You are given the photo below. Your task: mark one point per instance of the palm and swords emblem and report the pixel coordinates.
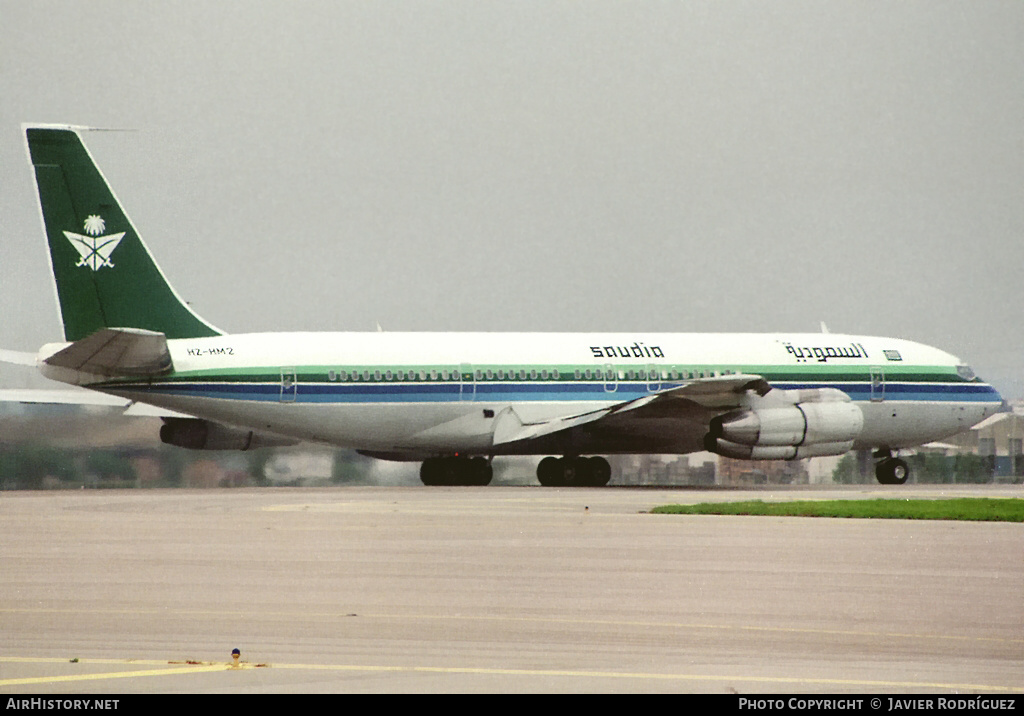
(94, 249)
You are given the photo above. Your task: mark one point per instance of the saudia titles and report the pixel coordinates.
(822, 354)
(637, 350)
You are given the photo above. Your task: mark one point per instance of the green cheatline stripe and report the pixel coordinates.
(968, 508)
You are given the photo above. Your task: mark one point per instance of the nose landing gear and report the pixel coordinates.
(891, 470)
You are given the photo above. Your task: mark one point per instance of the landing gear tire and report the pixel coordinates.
(892, 471)
(600, 472)
(574, 472)
(456, 471)
(549, 472)
(431, 472)
(479, 472)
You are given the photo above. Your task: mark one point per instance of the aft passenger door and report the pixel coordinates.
(289, 385)
(877, 385)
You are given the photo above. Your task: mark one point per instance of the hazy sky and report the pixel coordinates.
(552, 166)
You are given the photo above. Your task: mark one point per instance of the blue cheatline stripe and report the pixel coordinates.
(930, 392)
(518, 392)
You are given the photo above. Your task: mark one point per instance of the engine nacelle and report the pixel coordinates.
(825, 425)
(803, 424)
(196, 434)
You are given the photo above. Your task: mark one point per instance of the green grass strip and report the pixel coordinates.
(971, 508)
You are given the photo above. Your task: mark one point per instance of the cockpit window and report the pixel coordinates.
(965, 372)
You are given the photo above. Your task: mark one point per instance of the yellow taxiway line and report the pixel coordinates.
(170, 669)
(173, 668)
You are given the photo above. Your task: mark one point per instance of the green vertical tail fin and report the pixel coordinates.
(105, 275)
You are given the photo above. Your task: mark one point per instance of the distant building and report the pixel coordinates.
(999, 438)
(663, 469)
(761, 472)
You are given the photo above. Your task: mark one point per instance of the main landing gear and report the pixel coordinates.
(574, 472)
(891, 470)
(461, 471)
(551, 472)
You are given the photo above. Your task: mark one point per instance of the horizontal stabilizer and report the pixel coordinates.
(117, 352)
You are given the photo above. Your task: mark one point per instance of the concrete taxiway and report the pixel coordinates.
(394, 589)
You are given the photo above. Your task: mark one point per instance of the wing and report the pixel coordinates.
(673, 420)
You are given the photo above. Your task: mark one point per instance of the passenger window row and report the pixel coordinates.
(479, 375)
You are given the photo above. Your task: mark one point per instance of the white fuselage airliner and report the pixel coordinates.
(456, 400)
